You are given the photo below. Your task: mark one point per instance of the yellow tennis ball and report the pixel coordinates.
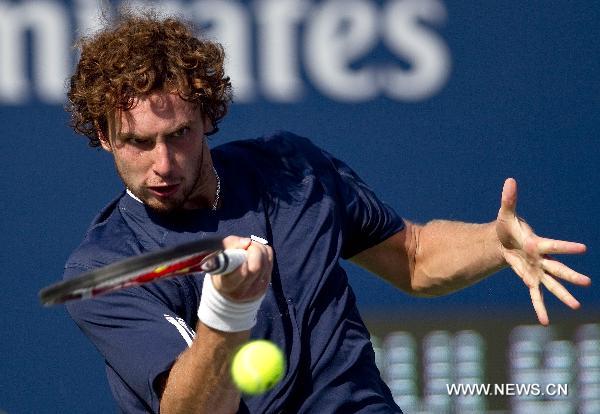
(257, 367)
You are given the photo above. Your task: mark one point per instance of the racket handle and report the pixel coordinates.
(224, 262)
(232, 259)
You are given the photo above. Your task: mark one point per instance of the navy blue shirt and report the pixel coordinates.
(313, 210)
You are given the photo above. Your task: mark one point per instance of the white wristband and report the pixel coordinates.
(218, 312)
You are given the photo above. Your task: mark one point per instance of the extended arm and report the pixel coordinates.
(443, 256)
(435, 259)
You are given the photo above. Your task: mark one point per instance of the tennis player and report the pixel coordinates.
(149, 92)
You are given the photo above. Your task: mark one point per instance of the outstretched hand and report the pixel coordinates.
(529, 256)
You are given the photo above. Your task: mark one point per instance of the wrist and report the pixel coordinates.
(223, 314)
(496, 247)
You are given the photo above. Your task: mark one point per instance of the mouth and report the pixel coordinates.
(163, 191)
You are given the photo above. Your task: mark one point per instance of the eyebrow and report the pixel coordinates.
(124, 136)
(130, 136)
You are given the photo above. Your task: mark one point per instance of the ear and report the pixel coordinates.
(207, 125)
(104, 141)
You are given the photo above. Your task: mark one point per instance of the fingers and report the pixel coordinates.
(551, 246)
(236, 242)
(557, 269)
(527, 254)
(542, 274)
(560, 292)
(533, 284)
(260, 262)
(538, 305)
(508, 204)
(250, 280)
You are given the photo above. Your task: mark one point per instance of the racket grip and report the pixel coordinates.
(233, 258)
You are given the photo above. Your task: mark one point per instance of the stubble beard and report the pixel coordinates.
(167, 205)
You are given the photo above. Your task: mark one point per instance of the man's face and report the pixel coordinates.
(161, 154)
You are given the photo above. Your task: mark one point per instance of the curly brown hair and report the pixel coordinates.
(138, 55)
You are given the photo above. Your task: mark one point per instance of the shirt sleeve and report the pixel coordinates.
(367, 221)
(139, 337)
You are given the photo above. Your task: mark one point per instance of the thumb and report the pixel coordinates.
(508, 204)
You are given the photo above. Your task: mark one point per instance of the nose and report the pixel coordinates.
(163, 160)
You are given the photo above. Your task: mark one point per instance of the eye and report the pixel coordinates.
(180, 133)
(140, 142)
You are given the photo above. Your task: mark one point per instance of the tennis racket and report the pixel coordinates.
(206, 255)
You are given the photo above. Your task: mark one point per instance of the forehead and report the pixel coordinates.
(156, 112)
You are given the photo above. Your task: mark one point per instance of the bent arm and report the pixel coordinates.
(436, 258)
(199, 381)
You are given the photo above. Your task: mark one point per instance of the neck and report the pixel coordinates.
(207, 191)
